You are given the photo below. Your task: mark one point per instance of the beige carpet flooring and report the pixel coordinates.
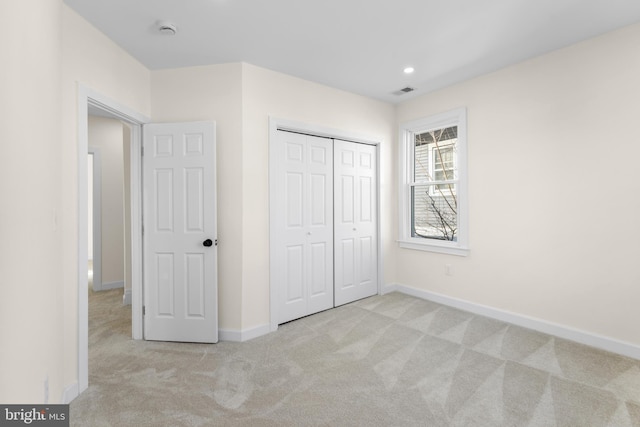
(390, 360)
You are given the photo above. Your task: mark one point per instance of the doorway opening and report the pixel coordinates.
(108, 205)
(94, 218)
(94, 103)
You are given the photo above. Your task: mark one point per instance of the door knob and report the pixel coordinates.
(207, 243)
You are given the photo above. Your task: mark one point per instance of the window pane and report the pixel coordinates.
(434, 212)
(444, 175)
(434, 155)
(421, 163)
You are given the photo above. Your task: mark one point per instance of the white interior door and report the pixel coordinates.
(356, 240)
(304, 228)
(180, 253)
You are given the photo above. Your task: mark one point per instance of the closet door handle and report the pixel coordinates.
(207, 243)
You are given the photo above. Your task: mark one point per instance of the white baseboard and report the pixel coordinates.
(111, 285)
(561, 331)
(70, 393)
(244, 335)
(390, 287)
(126, 298)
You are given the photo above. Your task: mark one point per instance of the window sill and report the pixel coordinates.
(434, 247)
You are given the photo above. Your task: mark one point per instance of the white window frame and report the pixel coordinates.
(457, 117)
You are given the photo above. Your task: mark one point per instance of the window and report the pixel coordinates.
(433, 205)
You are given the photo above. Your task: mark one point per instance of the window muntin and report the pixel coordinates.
(433, 206)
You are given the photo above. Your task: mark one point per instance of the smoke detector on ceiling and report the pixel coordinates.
(168, 28)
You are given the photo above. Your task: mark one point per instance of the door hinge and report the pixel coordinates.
(142, 151)
(144, 310)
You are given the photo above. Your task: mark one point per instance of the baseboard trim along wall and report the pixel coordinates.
(579, 336)
(70, 393)
(126, 298)
(111, 285)
(244, 335)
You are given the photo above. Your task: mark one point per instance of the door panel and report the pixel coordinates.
(347, 200)
(166, 288)
(295, 278)
(303, 260)
(318, 269)
(194, 186)
(356, 222)
(366, 208)
(345, 265)
(318, 197)
(180, 273)
(293, 195)
(163, 193)
(195, 280)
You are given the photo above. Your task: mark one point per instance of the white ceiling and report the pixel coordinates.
(359, 46)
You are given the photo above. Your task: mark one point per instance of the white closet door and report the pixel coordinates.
(356, 239)
(304, 227)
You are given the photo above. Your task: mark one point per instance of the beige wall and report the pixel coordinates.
(213, 93)
(88, 57)
(553, 185)
(106, 135)
(31, 283)
(266, 93)
(240, 98)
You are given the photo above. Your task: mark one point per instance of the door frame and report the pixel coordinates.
(94, 152)
(89, 99)
(277, 124)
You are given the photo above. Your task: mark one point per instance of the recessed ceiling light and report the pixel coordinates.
(409, 70)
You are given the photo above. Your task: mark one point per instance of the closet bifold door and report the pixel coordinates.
(356, 225)
(304, 226)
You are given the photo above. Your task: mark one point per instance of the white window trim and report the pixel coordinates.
(457, 117)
